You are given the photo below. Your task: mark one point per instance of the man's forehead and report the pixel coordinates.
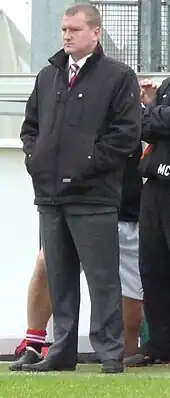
(74, 20)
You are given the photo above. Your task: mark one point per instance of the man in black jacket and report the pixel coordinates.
(82, 122)
(34, 346)
(154, 247)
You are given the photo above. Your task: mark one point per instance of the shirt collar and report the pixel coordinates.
(81, 61)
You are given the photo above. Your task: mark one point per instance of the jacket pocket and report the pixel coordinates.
(75, 156)
(74, 109)
(42, 156)
(28, 158)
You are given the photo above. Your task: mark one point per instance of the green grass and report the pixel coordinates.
(87, 382)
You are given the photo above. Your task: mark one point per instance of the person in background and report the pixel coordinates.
(154, 247)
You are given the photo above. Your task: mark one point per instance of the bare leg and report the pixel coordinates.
(38, 301)
(38, 308)
(132, 316)
(38, 314)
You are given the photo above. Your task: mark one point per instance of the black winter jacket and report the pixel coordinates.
(155, 163)
(77, 141)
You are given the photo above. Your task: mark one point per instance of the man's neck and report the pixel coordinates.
(77, 57)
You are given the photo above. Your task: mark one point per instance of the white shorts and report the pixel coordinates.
(129, 267)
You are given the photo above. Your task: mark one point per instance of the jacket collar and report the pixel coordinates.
(60, 59)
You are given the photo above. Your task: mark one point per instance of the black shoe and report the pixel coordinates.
(29, 356)
(147, 355)
(112, 366)
(138, 360)
(47, 366)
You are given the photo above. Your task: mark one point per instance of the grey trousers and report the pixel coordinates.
(86, 234)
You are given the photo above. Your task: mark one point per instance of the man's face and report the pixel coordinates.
(79, 39)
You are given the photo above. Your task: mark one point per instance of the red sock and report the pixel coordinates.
(35, 336)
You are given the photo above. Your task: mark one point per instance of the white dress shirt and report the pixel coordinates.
(79, 63)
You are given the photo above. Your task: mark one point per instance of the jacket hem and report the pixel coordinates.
(77, 200)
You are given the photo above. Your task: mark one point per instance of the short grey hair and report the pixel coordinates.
(91, 12)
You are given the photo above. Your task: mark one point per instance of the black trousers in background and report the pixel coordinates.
(86, 234)
(154, 259)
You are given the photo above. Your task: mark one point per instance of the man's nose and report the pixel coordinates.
(67, 35)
